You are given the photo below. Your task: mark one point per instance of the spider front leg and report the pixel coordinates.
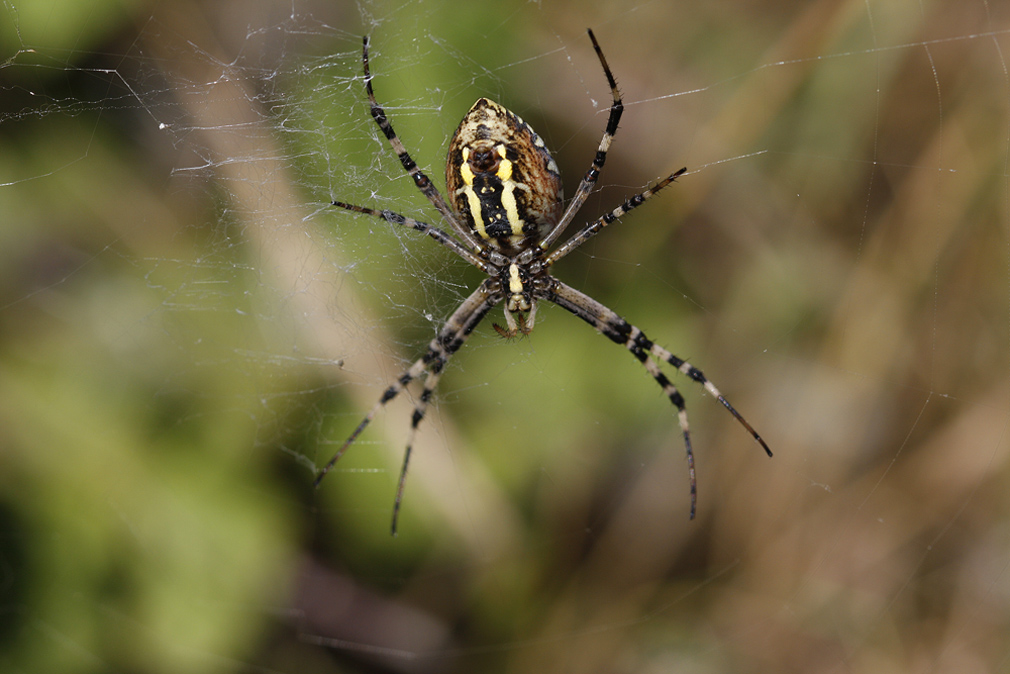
(642, 348)
(450, 338)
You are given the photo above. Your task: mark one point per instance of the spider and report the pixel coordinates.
(508, 210)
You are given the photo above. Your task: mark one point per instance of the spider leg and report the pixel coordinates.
(450, 338)
(434, 373)
(442, 237)
(677, 399)
(592, 228)
(694, 373)
(641, 347)
(420, 179)
(593, 174)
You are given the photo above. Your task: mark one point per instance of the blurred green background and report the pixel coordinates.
(188, 331)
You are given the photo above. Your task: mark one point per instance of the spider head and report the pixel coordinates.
(516, 284)
(519, 295)
(502, 182)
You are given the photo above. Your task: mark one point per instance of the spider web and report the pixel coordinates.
(189, 330)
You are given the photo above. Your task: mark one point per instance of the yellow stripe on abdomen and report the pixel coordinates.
(476, 212)
(508, 197)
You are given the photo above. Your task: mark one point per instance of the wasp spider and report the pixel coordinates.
(507, 209)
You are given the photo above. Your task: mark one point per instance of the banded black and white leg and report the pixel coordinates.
(450, 338)
(644, 350)
(593, 228)
(420, 179)
(593, 174)
(434, 232)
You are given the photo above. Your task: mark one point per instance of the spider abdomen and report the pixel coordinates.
(502, 182)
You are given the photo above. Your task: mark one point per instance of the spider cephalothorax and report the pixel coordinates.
(507, 208)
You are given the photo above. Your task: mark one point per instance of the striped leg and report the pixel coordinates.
(420, 179)
(641, 347)
(420, 407)
(423, 227)
(593, 174)
(440, 350)
(592, 228)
